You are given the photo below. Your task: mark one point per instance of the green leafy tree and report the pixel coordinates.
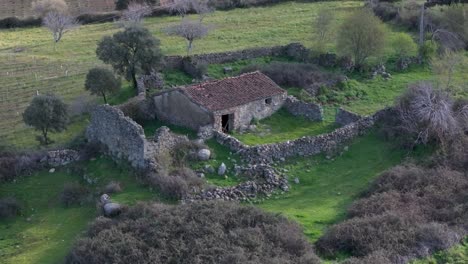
(46, 113)
(361, 35)
(130, 52)
(100, 81)
(404, 46)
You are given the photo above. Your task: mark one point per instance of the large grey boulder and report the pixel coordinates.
(112, 209)
(204, 154)
(222, 169)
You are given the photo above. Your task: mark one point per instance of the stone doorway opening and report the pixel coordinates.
(226, 121)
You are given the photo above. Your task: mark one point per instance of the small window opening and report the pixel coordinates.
(268, 101)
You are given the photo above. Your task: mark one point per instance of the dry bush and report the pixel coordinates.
(204, 232)
(408, 212)
(379, 257)
(113, 187)
(177, 185)
(73, 194)
(13, 165)
(9, 207)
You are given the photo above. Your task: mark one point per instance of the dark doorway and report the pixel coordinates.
(225, 123)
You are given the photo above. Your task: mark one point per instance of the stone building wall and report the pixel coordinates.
(244, 114)
(344, 117)
(176, 108)
(122, 137)
(310, 111)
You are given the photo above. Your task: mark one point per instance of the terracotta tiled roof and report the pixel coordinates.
(233, 91)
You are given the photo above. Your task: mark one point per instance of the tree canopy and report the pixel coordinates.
(130, 52)
(101, 81)
(46, 113)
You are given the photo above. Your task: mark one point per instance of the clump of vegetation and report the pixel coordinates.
(73, 194)
(361, 35)
(113, 187)
(9, 207)
(46, 113)
(100, 81)
(408, 212)
(14, 164)
(203, 232)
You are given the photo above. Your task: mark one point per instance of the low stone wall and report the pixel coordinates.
(176, 62)
(122, 137)
(344, 117)
(62, 157)
(265, 180)
(305, 146)
(311, 111)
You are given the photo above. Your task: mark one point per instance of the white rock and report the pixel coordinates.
(222, 169)
(204, 154)
(105, 198)
(52, 170)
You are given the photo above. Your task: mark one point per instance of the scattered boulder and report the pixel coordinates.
(105, 198)
(296, 180)
(112, 209)
(222, 169)
(52, 170)
(204, 154)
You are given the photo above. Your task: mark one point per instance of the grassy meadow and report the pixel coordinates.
(46, 229)
(29, 64)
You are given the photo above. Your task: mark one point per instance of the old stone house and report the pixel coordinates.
(228, 105)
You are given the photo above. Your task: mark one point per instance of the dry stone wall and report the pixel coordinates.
(305, 146)
(344, 117)
(310, 111)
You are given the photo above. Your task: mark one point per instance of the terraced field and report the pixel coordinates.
(22, 8)
(28, 62)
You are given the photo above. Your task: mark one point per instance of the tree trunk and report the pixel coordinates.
(134, 79)
(104, 96)
(421, 33)
(189, 47)
(44, 135)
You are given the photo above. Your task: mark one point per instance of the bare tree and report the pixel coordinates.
(181, 7)
(190, 30)
(59, 24)
(136, 11)
(201, 8)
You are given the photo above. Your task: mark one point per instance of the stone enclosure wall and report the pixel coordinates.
(344, 117)
(310, 111)
(305, 146)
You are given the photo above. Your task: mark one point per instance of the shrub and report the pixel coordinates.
(408, 212)
(73, 194)
(178, 184)
(113, 187)
(9, 207)
(14, 22)
(361, 35)
(404, 46)
(385, 11)
(97, 17)
(13, 165)
(205, 232)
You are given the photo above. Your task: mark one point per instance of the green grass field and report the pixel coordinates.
(327, 187)
(29, 63)
(46, 230)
